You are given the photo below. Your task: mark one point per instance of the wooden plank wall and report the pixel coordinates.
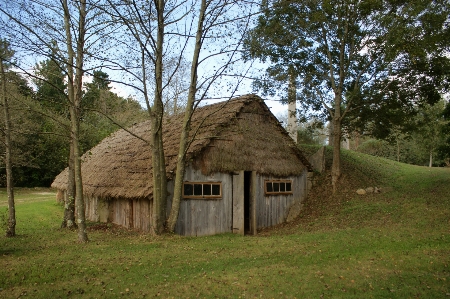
(90, 208)
(199, 217)
(103, 210)
(142, 214)
(96, 209)
(204, 217)
(273, 210)
(134, 214)
(119, 212)
(131, 213)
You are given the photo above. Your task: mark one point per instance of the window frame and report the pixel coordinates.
(278, 181)
(203, 196)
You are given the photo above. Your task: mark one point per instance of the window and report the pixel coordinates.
(205, 190)
(274, 187)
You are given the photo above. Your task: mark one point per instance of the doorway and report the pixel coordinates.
(247, 201)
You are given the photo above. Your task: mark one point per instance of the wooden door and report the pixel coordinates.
(238, 203)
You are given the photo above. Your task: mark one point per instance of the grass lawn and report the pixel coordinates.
(390, 245)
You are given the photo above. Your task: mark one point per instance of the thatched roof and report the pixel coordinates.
(120, 165)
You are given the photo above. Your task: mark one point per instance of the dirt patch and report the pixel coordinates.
(102, 227)
(110, 228)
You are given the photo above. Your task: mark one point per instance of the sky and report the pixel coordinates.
(245, 88)
(275, 106)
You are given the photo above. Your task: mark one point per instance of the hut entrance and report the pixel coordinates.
(243, 215)
(247, 201)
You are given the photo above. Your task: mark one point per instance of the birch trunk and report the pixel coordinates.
(292, 107)
(431, 159)
(11, 227)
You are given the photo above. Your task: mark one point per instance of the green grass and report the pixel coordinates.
(390, 245)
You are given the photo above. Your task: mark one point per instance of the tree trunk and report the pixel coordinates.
(158, 159)
(330, 134)
(431, 159)
(292, 106)
(159, 177)
(11, 228)
(356, 140)
(336, 166)
(69, 200)
(181, 158)
(79, 200)
(79, 196)
(398, 149)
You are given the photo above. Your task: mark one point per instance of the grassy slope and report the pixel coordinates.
(390, 245)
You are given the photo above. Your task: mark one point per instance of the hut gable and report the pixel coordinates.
(253, 141)
(240, 134)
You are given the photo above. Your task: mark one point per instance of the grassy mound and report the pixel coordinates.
(403, 187)
(395, 244)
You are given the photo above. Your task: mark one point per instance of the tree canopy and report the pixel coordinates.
(356, 58)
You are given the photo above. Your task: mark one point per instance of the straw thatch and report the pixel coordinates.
(241, 134)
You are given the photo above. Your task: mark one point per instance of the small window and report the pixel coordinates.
(288, 187)
(216, 190)
(198, 189)
(274, 187)
(202, 190)
(188, 190)
(207, 189)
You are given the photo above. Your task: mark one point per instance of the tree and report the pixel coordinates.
(75, 72)
(158, 36)
(444, 149)
(5, 56)
(94, 96)
(103, 111)
(51, 88)
(348, 53)
(181, 161)
(429, 124)
(210, 15)
(417, 141)
(281, 71)
(80, 32)
(143, 37)
(52, 111)
(36, 29)
(311, 132)
(176, 93)
(69, 34)
(151, 42)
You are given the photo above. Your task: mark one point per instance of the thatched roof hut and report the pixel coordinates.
(238, 135)
(120, 166)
